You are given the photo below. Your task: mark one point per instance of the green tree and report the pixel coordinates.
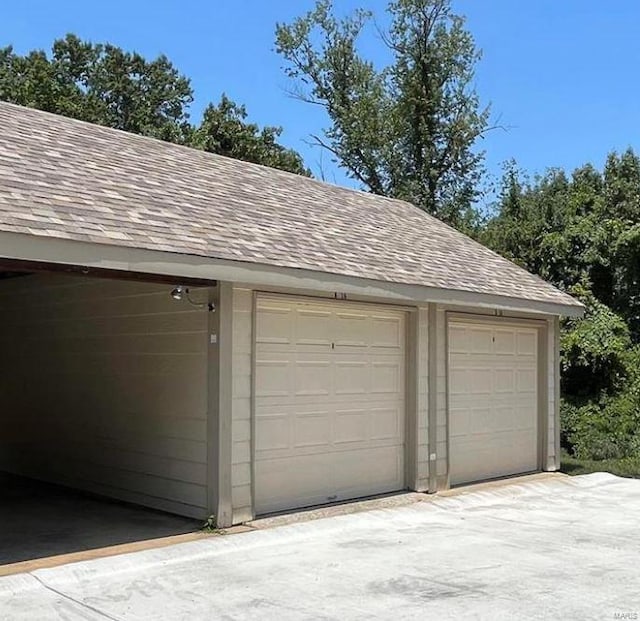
(582, 232)
(600, 407)
(627, 273)
(103, 84)
(408, 129)
(100, 83)
(594, 351)
(224, 130)
(577, 229)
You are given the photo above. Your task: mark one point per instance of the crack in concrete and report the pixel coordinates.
(80, 603)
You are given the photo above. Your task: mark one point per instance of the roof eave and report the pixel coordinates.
(120, 258)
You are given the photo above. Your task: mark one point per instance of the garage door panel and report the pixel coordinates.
(482, 421)
(470, 380)
(274, 379)
(312, 327)
(504, 380)
(459, 421)
(351, 426)
(457, 340)
(351, 330)
(481, 381)
(312, 378)
(366, 472)
(525, 417)
(387, 424)
(312, 430)
(303, 478)
(388, 332)
(492, 401)
(343, 411)
(526, 380)
(480, 340)
(476, 459)
(508, 418)
(272, 433)
(527, 343)
(352, 377)
(458, 379)
(472, 421)
(273, 324)
(286, 430)
(505, 342)
(387, 377)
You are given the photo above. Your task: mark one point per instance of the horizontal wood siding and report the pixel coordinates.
(421, 376)
(442, 429)
(103, 387)
(241, 469)
(553, 410)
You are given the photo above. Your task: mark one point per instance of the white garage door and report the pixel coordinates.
(329, 402)
(493, 404)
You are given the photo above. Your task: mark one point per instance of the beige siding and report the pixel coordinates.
(442, 442)
(438, 446)
(553, 363)
(422, 407)
(241, 408)
(104, 388)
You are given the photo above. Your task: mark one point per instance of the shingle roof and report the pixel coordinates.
(64, 178)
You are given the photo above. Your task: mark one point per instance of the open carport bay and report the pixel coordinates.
(41, 520)
(103, 388)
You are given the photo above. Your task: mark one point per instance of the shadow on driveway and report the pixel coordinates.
(40, 519)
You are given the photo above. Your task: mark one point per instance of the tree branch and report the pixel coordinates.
(371, 180)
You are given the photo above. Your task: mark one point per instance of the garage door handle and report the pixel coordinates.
(331, 498)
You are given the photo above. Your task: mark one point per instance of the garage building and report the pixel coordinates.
(207, 336)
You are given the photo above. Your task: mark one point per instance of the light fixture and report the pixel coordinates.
(182, 293)
(178, 292)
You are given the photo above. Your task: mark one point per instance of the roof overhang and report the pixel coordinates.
(87, 258)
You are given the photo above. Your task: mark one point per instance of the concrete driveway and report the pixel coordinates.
(563, 548)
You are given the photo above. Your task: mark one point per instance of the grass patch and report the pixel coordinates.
(210, 526)
(625, 467)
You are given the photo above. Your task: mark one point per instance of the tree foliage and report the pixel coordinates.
(594, 350)
(582, 232)
(406, 130)
(103, 84)
(225, 130)
(100, 83)
(582, 228)
(409, 130)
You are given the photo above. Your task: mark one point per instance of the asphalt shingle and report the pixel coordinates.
(65, 178)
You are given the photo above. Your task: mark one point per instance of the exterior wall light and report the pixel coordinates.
(181, 292)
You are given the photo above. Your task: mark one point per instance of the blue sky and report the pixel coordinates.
(562, 75)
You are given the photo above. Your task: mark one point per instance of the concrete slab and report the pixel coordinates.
(93, 553)
(543, 549)
(389, 501)
(39, 520)
(344, 508)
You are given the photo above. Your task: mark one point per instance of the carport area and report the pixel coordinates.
(103, 410)
(39, 520)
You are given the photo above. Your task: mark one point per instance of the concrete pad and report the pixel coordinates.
(74, 557)
(544, 549)
(40, 520)
(389, 501)
(345, 508)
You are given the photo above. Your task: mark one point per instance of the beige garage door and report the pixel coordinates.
(493, 403)
(330, 402)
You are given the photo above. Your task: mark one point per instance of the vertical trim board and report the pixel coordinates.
(224, 407)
